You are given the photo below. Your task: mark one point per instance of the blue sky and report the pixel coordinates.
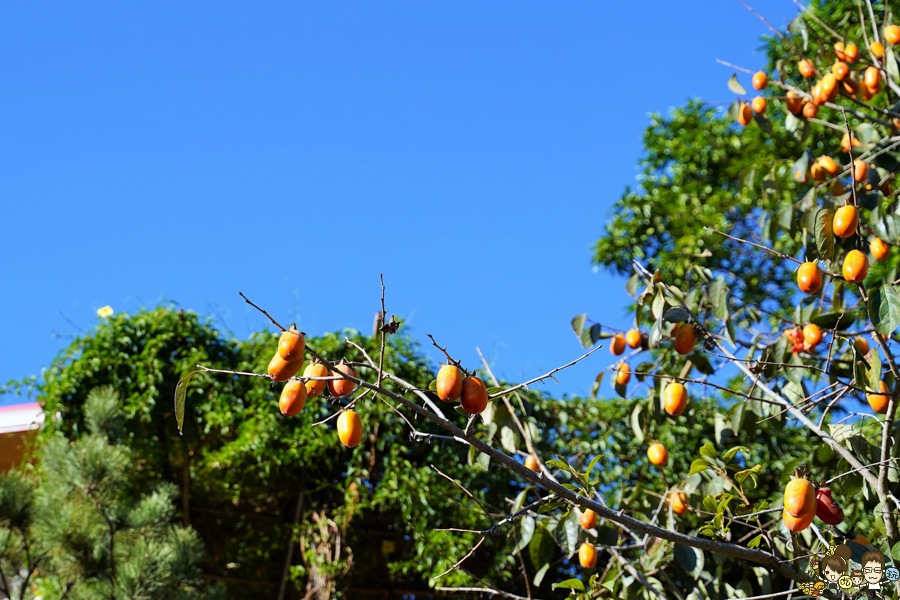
(470, 152)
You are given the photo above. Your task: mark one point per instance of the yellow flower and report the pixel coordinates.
(105, 312)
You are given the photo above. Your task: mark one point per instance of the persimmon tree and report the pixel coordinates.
(761, 261)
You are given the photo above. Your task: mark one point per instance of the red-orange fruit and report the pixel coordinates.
(892, 34)
(862, 345)
(587, 556)
(818, 172)
(830, 167)
(685, 339)
(293, 398)
(856, 266)
(860, 170)
(850, 86)
(315, 388)
(676, 398)
(658, 454)
(872, 79)
(794, 102)
(679, 503)
(818, 95)
(800, 498)
(878, 249)
(633, 338)
(878, 402)
(623, 374)
(291, 344)
(617, 344)
(827, 509)
(760, 80)
(845, 142)
(759, 105)
(806, 68)
(588, 519)
(809, 278)
(877, 49)
(839, 51)
(829, 85)
(349, 427)
(840, 70)
(867, 92)
(851, 53)
(342, 387)
(282, 370)
(810, 110)
(846, 220)
(449, 383)
(474, 396)
(532, 463)
(745, 114)
(812, 335)
(797, 524)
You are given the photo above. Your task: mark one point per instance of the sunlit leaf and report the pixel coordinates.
(180, 396)
(736, 87)
(884, 308)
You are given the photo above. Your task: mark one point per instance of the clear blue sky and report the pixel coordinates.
(471, 152)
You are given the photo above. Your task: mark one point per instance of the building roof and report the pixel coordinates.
(21, 417)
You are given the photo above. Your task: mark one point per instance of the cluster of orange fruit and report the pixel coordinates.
(288, 361)
(803, 501)
(470, 391)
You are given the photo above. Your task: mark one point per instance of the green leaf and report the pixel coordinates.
(569, 584)
(676, 314)
(508, 438)
(524, 533)
(799, 130)
(763, 122)
(834, 320)
(632, 285)
(732, 452)
(736, 87)
(824, 233)
(519, 502)
(655, 333)
(540, 549)
(659, 305)
(558, 464)
(740, 476)
(180, 395)
(708, 449)
(578, 324)
(874, 373)
(595, 387)
(718, 297)
(800, 166)
(691, 559)
(754, 543)
(539, 576)
(884, 308)
(890, 63)
(636, 423)
(587, 473)
(798, 25)
(569, 536)
(698, 466)
(709, 503)
(701, 363)
(590, 335)
(895, 551)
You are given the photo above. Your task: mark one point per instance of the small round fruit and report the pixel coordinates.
(860, 170)
(877, 49)
(282, 370)
(829, 85)
(587, 556)
(839, 51)
(745, 114)
(314, 388)
(878, 249)
(796, 524)
(840, 70)
(449, 383)
(851, 53)
(812, 335)
(800, 498)
(349, 427)
(856, 266)
(806, 68)
(293, 398)
(879, 402)
(679, 503)
(633, 338)
(867, 92)
(676, 398)
(760, 80)
(623, 374)
(861, 539)
(818, 173)
(846, 220)
(872, 78)
(845, 142)
(291, 344)
(850, 86)
(532, 463)
(794, 102)
(685, 338)
(827, 509)
(759, 105)
(861, 344)
(588, 519)
(809, 278)
(474, 396)
(818, 96)
(617, 344)
(810, 110)
(892, 34)
(342, 387)
(828, 165)
(657, 454)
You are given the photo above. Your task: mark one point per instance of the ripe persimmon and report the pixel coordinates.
(877, 49)
(587, 556)
(291, 344)
(827, 509)
(623, 374)
(759, 105)
(872, 79)
(658, 454)
(828, 165)
(794, 102)
(818, 95)
(812, 335)
(282, 370)
(850, 86)
(685, 338)
(840, 70)
(679, 503)
(861, 344)
(799, 497)
(810, 110)
(829, 86)
(856, 266)
(851, 53)
(745, 114)
(588, 519)
(797, 524)
(760, 80)
(845, 142)
(293, 398)
(809, 278)
(474, 397)
(342, 387)
(806, 68)
(532, 463)
(617, 344)
(878, 249)
(846, 221)
(818, 173)
(878, 402)
(316, 369)
(349, 427)
(839, 51)
(676, 398)
(633, 338)
(860, 170)
(449, 383)
(892, 34)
